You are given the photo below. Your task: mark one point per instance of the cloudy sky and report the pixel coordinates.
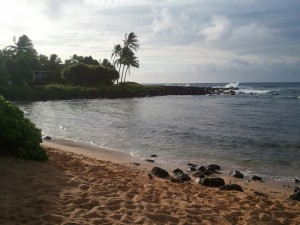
(182, 41)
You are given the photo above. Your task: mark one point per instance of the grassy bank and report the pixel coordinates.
(61, 91)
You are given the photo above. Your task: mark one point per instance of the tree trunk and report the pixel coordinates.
(122, 73)
(125, 73)
(119, 74)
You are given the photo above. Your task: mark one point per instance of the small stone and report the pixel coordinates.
(297, 181)
(149, 160)
(46, 137)
(255, 178)
(154, 155)
(236, 174)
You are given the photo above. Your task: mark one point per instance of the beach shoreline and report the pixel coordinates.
(281, 189)
(77, 187)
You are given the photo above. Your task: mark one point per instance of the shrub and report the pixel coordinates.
(18, 135)
(82, 74)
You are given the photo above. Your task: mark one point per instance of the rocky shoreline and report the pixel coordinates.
(180, 90)
(116, 93)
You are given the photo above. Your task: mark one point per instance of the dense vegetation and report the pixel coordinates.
(20, 64)
(18, 136)
(63, 91)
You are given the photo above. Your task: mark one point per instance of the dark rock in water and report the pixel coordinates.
(177, 171)
(296, 189)
(232, 187)
(46, 137)
(236, 174)
(201, 168)
(295, 196)
(154, 155)
(297, 181)
(182, 177)
(199, 174)
(213, 182)
(136, 164)
(149, 160)
(159, 172)
(192, 166)
(255, 178)
(213, 167)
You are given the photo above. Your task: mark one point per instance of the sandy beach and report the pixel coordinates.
(81, 186)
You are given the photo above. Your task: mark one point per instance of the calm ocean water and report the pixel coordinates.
(256, 131)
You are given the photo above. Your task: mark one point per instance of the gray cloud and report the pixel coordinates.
(204, 39)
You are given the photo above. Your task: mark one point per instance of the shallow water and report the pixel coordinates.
(256, 133)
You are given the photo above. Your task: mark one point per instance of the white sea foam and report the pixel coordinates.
(253, 91)
(232, 85)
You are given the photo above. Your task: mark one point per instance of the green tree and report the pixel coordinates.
(131, 41)
(43, 62)
(18, 135)
(82, 74)
(116, 52)
(131, 61)
(124, 57)
(24, 48)
(106, 63)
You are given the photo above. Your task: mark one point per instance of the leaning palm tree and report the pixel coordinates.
(131, 41)
(131, 61)
(116, 52)
(126, 54)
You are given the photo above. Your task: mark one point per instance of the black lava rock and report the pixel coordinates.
(201, 168)
(46, 137)
(159, 172)
(177, 171)
(213, 182)
(199, 174)
(149, 160)
(255, 178)
(213, 167)
(183, 177)
(296, 195)
(236, 174)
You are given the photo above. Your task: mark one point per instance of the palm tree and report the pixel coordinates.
(24, 49)
(125, 56)
(131, 41)
(54, 62)
(22, 46)
(131, 61)
(116, 52)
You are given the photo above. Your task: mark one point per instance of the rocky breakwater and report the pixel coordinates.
(179, 90)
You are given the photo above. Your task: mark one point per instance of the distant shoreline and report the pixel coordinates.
(61, 92)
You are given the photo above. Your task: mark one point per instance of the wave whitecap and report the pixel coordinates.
(232, 85)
